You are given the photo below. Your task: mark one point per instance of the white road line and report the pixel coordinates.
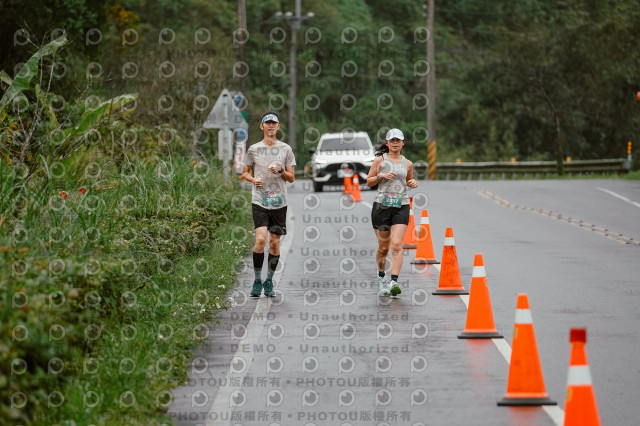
(622, 197)
(464, 298)
(255, 326)
(556, 413)
(504, 349)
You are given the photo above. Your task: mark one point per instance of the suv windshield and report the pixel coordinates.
(348, 143)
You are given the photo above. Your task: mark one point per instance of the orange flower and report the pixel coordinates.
(63, 195)
(83, 190)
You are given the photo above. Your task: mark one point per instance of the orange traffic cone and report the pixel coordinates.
(355, 189)
(525, 385)
(425, 254)
(580, 406)
(450, 281)
(347, 182)
(480, 323)
(410, 240)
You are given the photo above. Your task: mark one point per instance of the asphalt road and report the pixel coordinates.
(328, 351)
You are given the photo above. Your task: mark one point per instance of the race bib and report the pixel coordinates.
(392, 199)
(272, 198)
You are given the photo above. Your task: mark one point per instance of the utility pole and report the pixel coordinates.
(431, 94)
(242, 30)
(293, 75)
(294, 21)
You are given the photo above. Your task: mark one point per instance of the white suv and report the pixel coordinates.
(339, 155)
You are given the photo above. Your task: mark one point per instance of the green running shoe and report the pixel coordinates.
(257, 289)
(268, 288)
(395, 289)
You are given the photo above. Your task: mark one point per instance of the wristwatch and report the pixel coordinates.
(379, 178)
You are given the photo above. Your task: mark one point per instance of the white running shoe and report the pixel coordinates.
(384, 286)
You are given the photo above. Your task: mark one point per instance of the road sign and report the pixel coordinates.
(230, 120)
(225, 114)
(241, 136)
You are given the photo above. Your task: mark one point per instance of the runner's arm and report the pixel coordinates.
(247, 174)
(411, 182)
(373, 178)
(289, 174)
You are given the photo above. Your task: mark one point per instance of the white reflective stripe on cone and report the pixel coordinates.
(478, 271)
(424, 220)
(579, 375)
(523, 316)
(448, 241)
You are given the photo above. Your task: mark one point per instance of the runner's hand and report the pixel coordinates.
(274, 170)
(411, 183)
(257, 182)
(388, 176)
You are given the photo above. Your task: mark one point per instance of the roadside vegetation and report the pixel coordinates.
(112, 261)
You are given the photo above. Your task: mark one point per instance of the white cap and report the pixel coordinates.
(270, 117)
(394, 133)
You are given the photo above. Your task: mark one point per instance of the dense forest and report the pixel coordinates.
(514, 79)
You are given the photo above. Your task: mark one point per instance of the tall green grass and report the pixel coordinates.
(634, 175)
(105, 281)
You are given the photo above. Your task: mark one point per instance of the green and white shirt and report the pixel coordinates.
(393, 193)
(273, 194)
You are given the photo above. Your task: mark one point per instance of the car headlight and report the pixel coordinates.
(319, 161)
(370, 159)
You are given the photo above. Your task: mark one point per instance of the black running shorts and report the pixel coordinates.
(383, 217)
(274, 219)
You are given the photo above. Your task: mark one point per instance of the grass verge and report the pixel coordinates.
(635, 175)
(106, 283)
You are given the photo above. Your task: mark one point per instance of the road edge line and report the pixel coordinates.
(254, 331)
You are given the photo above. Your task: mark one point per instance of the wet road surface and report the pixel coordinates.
(328, 351)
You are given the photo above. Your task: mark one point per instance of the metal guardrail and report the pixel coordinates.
(524, 169)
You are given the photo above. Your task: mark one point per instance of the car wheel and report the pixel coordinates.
(317, 187)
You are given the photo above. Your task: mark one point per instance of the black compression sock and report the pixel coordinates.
(258, 260)
(272, 264)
